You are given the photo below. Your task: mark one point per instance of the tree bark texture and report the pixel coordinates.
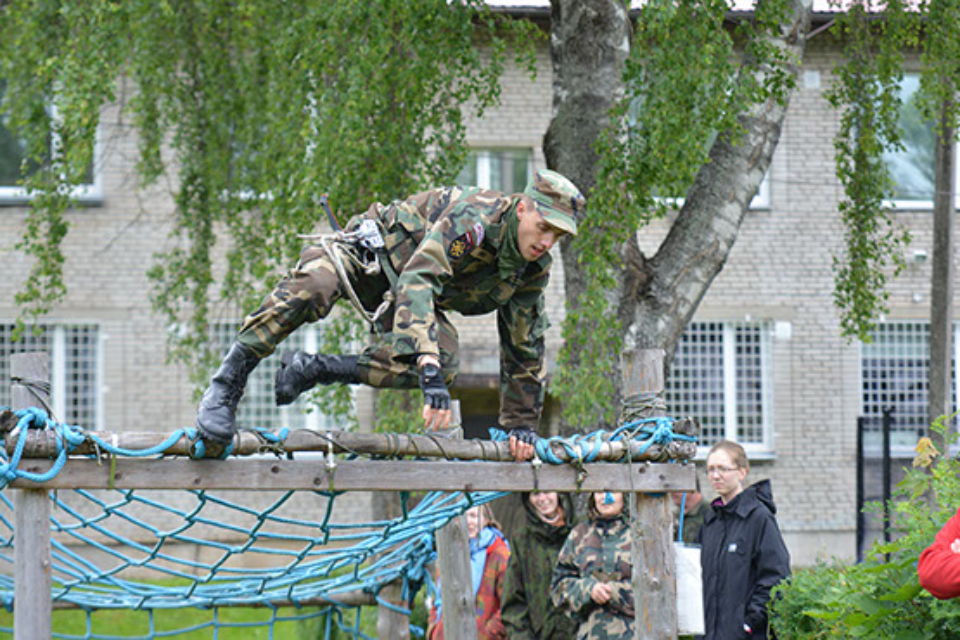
(941, 289)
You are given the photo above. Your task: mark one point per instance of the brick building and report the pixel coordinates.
(763, 363)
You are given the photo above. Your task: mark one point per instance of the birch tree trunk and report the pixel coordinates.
(657, 295)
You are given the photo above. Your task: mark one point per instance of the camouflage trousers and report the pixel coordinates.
(308, 293)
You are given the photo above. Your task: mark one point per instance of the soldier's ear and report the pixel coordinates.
(522, 208)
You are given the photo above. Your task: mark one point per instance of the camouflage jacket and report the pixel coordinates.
(456, 249)
(692, 521)
(598, 551)
(527, 612)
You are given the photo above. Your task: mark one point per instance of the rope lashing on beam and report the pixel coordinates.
(586, 448)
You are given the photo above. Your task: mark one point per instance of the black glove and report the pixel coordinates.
(525, 435)
(435, 394)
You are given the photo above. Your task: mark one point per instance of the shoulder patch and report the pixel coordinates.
(472, 238)
(457, 248)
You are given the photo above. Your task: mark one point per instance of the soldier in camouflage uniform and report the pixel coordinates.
(525, 608)
(592, 579)
(405, 265)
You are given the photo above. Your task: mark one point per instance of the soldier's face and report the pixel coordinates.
(546, 503)
(608, 509)
(534, 235)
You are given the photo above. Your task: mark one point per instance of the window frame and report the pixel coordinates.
(923, 205)
(88, 193)
(763, 448)
(902, 446)
(484, 169)
(59, 367)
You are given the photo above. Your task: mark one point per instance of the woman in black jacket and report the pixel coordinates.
(743, 555)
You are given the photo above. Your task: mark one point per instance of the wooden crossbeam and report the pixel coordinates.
(359, 475)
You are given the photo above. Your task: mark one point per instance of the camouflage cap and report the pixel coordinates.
(558, 200)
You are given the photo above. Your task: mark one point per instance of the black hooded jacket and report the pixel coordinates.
(743, 558)
(525, 607)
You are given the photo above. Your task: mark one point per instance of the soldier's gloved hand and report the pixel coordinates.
(524, 434)
(522, 440)
(436, 398)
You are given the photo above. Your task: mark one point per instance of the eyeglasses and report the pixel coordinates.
(720, 470)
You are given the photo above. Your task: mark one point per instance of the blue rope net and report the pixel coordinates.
(289, 553)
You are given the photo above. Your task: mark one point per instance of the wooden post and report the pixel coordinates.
(391, 623)
(32, 567)
(456, 585)
(654, 566)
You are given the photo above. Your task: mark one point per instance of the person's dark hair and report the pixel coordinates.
(734, 450)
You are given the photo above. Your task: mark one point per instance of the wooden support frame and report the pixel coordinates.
(646, 484)
(32, 552)
(654, 564)
(358, 475)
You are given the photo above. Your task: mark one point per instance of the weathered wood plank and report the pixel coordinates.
(456, 585)
(453, 553)
(356, 598)
(392, 623)
(32, 557)
(654, 578)
(654, 567)
(360, 475)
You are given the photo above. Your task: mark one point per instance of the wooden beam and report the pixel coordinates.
(356, 598)
(458, 610)
(456, 585)
(392, 623)
(654, 567)
(265, 474)
(32, 556)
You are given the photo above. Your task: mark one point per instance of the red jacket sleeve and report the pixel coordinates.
(939, 566)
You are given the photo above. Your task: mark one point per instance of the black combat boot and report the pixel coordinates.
(300, 371)
(217, 414)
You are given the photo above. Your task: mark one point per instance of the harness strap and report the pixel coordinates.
(338, 246)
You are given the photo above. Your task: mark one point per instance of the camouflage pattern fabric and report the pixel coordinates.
(597, 551)
(693, 521)
(526, 608)
(453, 249)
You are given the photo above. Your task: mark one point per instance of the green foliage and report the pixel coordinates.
(55, 84)
(679, 94)
(867, 94)
(941, 63)
(258, 108)
(881, 598)
(398, 411)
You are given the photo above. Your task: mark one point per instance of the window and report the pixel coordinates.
(506, 170)
(12, 171)
(258, 408)
(721, 376)
(912, 168)
(74, 369)
(894, 370)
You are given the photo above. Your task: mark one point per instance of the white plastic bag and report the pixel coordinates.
(689, 589)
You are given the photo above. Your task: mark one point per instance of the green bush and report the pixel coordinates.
(881, 597)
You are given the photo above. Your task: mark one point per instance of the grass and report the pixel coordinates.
(241, 623)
